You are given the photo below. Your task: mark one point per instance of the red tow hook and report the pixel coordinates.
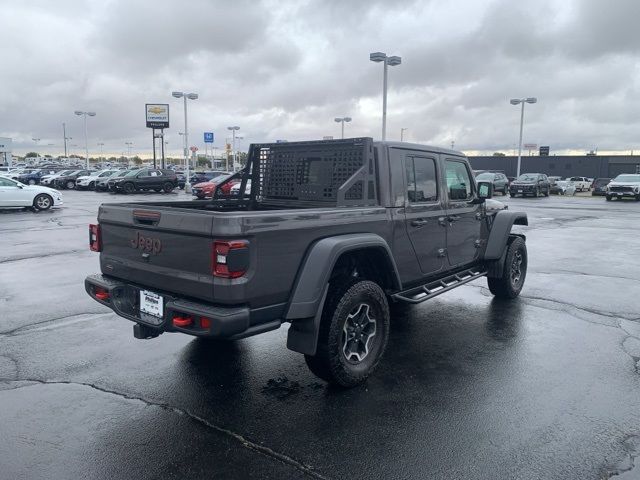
(182, 321)
(101, 294)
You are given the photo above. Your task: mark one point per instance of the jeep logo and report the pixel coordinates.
(147, 244)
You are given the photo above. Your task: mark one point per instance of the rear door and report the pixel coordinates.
(423, 212)
(463, 218)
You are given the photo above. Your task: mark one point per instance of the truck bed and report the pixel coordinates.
(185, 231)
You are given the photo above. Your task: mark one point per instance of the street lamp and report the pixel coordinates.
(190, 96)
(233, 131)
(517, 101)
(86, 144)
(101, 145)
(342, 120)
(393, 61)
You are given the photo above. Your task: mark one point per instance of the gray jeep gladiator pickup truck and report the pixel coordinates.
(323, 235)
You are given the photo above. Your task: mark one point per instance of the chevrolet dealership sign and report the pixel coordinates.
(157, 115)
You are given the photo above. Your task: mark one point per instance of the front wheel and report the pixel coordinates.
(32, 181)
(168, 187)
(514, 271)
(129, 188)
(42, 202)
(353, 333)
(92, 185)
(71, 184)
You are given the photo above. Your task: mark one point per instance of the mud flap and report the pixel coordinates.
(303, 333)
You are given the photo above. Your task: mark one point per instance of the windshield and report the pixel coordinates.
(219, 178)
(66, 172)
(602, 181)
(627, 178)
(485, 176)
(527, 177)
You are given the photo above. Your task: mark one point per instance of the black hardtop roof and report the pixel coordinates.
(355, 140)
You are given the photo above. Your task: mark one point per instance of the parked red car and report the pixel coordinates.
(205, 189)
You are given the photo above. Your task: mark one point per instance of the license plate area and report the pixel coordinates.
(151, 306)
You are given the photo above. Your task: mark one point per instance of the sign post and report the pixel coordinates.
(157, 117)
(208, 138)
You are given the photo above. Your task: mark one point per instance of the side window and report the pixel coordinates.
(154, 173)
(458, 180)
(5, 182)
(421, 179)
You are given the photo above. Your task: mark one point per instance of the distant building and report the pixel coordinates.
(593, 166)
(5, 151)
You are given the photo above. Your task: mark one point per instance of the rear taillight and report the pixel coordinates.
(230, 259)
(95, 240)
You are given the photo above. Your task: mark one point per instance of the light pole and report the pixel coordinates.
(86, 144)
(101, 145)
(190, 96)
(393, 61)
(64, 135)
(129, 145)
(342, 120)
(233, 131)
(516, 101)
(402, 133)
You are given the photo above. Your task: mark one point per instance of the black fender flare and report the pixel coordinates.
(312, 282)
(500, 230)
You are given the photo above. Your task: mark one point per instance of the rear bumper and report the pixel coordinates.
(225, 321)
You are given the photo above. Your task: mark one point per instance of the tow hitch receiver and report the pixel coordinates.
(142, 332)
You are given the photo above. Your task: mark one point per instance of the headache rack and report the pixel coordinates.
(305, 174)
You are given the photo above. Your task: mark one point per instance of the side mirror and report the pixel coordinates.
(485, 190)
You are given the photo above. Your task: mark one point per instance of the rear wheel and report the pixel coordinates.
(43, 202)
(353, 333)
(129, 187)
(510, 283)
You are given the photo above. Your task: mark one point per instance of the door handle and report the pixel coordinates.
(453, 218)
(419, 222)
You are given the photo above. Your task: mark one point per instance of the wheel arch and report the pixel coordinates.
(325, 259)
(501, 226)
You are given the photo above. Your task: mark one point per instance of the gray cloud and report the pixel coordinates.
(284, 69)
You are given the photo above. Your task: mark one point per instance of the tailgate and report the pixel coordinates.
(163, 249)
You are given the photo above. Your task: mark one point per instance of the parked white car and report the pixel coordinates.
(582, 184)
(625, 185)
(89, 181)
(16, 194)
(48, 179)
(565, 187)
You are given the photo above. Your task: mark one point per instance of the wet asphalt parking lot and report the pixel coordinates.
(544, 387)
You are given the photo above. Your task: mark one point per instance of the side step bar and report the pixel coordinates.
(436, 287)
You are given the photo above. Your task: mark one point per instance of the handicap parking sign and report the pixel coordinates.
(208, 137)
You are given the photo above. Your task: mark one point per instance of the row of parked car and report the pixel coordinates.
(536, 184)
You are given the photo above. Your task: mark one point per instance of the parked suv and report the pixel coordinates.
(626, 185)
(499, 180)
(530, 184)
(144, 179)
(599, 186)
(69, 181)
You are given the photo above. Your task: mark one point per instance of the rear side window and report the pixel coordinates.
(458, 180)
(421, 179)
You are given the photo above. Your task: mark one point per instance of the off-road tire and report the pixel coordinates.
(347, 298)
(511, 282)
(42, 202)
(168, 187)
(129, 188)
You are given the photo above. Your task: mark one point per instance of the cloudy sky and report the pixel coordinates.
(285, 69)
